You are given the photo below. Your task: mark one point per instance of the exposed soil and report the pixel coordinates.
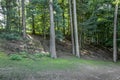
(36, 44)
(30, 45)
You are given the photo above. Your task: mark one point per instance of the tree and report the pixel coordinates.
(52, 32)
(8, 9)
(71, 25)
(75, 29)
(115, 33)
(23, 19)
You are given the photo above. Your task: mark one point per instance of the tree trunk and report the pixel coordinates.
(19, 13)
(33, 25)
(75, 29)
(23, 19)
(115, 34)
(63, 16)
(44, 22)
(8, 9)
(71, 25)
(52, 32)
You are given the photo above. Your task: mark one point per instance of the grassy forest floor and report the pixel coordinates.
(95, 63)
(45, 68)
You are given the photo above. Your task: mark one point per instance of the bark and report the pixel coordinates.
(8, 8)
(63, 16)
(52, 32)
(23, 19)
(19, 12)
(75, 29)
(44, 22)
(71, 25)
(115, 34)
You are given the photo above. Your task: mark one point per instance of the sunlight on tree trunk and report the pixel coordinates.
(52, 32)
(75, 29)
(115, 34)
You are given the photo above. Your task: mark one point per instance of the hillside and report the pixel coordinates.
(36, 44)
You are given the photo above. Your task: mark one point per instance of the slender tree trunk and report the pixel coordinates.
(115, 34)
(23, 19)
(44, 22)
(19, 13)
(76, 30)
(52, 32)
(8, 6)
(63, 16)
(71, 24)
(33, 24)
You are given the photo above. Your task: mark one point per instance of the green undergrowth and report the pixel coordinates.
(10, 36)
(46, 63)
(33, 63)
(23, 55)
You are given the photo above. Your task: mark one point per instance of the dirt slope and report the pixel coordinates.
(36, 44)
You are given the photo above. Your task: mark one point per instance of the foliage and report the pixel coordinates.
(95, 20)
(15, 57)
(40, 55)
(11, 11)
(59, 35)
(24, 54)
(10, 36)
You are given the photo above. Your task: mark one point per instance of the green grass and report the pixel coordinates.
(11, 69)
(46, 63)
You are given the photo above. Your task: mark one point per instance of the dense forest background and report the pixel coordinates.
(94, 24)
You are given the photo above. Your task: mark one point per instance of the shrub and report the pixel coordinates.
(24, 54)
(15, 57)
(10, 36)
(39, 55)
